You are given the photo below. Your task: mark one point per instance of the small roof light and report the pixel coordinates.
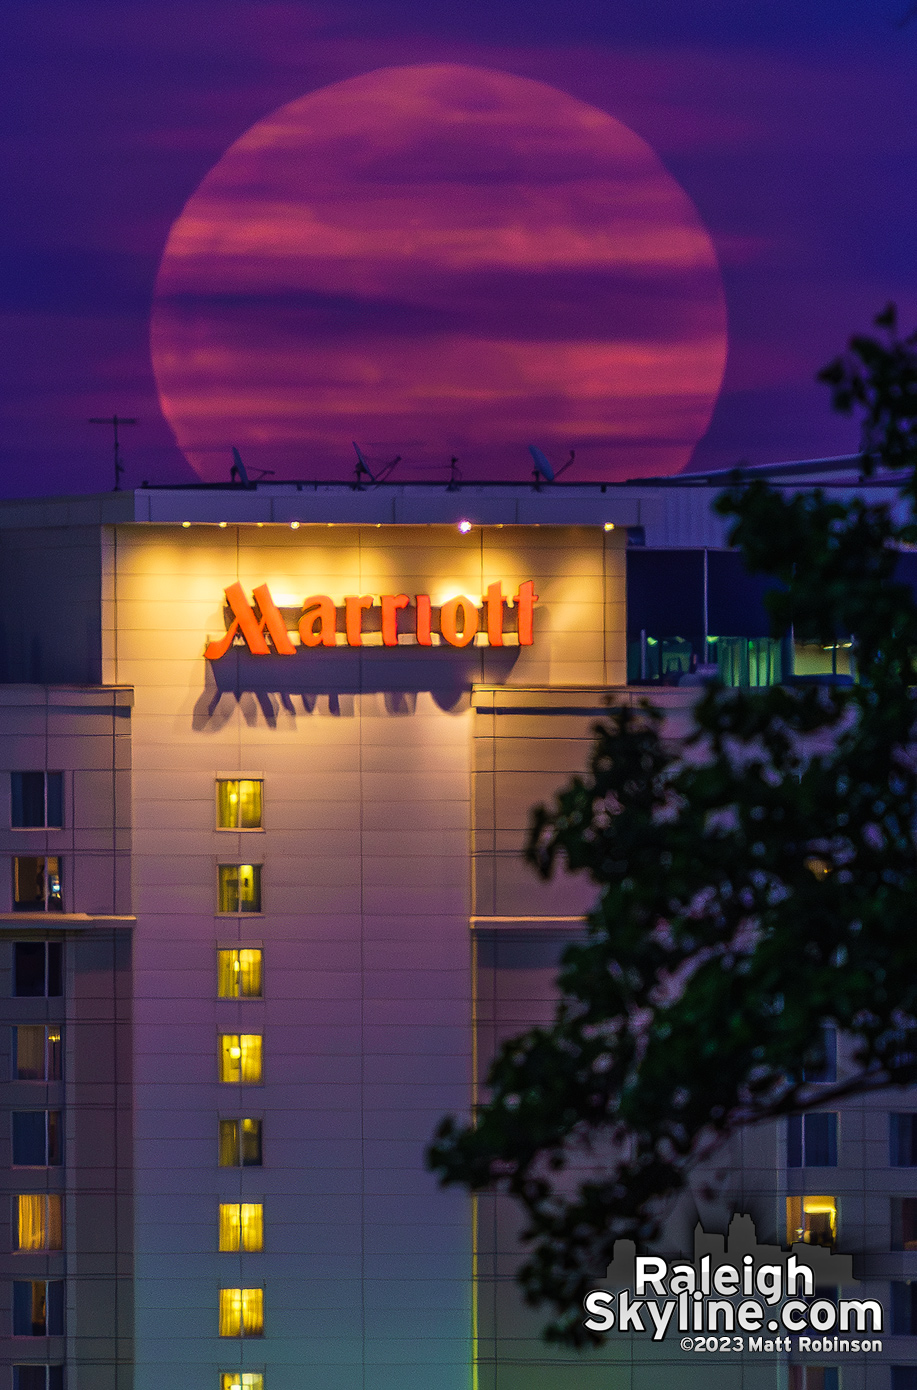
(222, 525)
(609, 526)
(186, 524)
(464, 527)
(294, 525)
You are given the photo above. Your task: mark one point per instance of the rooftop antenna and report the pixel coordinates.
(455, 476)
(114, 421)
(544, 469)
(240, 472)
(363, 469)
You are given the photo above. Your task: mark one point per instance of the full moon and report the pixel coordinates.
(439, 261)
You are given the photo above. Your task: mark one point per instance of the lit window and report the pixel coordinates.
(239, 888)
(37, 884)
(241, 1312)
(239, 974)
(36, 1138)
(812, 1220)
(38, 1307)
(240, 1143)
(240, 1058)
(35, 1377)
(241, 1380)
(40, 1224)
(37, 800)
(239, 804)
(38, 969)
(241, 1226)
(811, 1140)
(37, 1052)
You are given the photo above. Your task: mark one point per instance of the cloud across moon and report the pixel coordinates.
(439, 260)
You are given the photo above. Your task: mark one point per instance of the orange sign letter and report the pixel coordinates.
(525, 602)
(424, 615)
(318, 608)
(353, 617)
(390, 605)
(252, 630)
(448, 621)
(494, 602)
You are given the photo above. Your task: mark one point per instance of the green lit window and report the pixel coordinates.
(239, 888)
(239, 803)
(240, 1143)
(239, 974)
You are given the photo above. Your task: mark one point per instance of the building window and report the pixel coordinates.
(39, 1221)
(902, 1140)
(811, 1140)
(38, 1307)
(38, 1377)
(239, 804)
(241, 1312)
(814, 1378)
(904, 1378)
(239, 888)
(241, 1226)
(37, 1052)
(37, 883)
(240, 1058)
(240, 1143)
(239, 974)
(38, 969)
(812, 1220)
(904, 1223)
(36, 1138)
(904, 1308)
(37, 800)
(241, 1380)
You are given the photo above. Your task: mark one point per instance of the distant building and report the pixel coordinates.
(264, 916)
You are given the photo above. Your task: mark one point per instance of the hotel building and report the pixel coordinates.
(267, 757)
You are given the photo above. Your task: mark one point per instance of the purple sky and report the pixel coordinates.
(791, 127)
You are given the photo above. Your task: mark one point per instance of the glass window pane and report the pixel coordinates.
(820, 1134)
(228, 894)
(29, 1308)
(230, 1312)
(229, 1143)
(230, 1058)
(28, 883)
(55, 969)
(29, 1052)
(55, 1221)
(250, 805)
(249, 887)
(228, 969)
(55, 1057)
(55, 1304)
(55, 799)
(902, 1140)
(227, 804)
(32, 1221)
(252, 1312)
(30, 1377)
(251, 1059)
(252, 1225)
(29, 969)
(249, 974)
(794, 1141)
(242, 1380)
(251, 1143)
(55, 1139)
(30, 1138)
(28, 799)
(230, 1225)
(55, 891)
(56, 1378)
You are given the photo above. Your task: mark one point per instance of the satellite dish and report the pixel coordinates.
(238, 469)
(543, 468)
(362, 467)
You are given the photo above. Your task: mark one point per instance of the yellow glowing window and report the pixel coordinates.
(241, 1226)
(241, 1312)
(812, 1220)
(240, 1058)
(241, 1380)
(240, 1143)
(239, 974)
(239, 804)
(36, 1053)
(40, 1224)
(239, 888)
